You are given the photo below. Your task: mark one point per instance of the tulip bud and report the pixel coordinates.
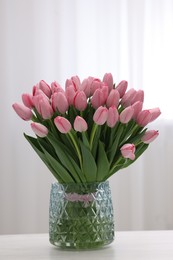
(108, 79)
(59, 101)
(105, 92)
(143, 118)
(86, 85)
(113, 98)
(100, 115)
(121, 87)
(68, 83)
(76, 82)
(70, 94)
(45, 88)
(43, 106)
(155, 113)
(27, 100)
(127, 98)
(62, 124)
(137, 106)
(139, 96)
(149, 136)
(95, 84)
(113, 116)
(97, 99)
(39, 129)
(128, 151)
(23, 112)
(126, 115)
(37, 91)
(55, 87)
(80, 124)
(80, 101)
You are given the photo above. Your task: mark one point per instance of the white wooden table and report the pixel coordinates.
(148, 245)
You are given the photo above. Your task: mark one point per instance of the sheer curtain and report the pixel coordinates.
(55, 39)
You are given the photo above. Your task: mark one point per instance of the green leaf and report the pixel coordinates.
(88, 164)
(96, 141)
(137, 137)
(35, 145)
(64, 155)
(102, 163)
(65, 175)
(85, 140)
(112, 151)
(129, 128)
(69, 144)
(116, 168)
(47, 145)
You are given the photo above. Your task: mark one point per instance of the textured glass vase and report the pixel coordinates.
(81, 215)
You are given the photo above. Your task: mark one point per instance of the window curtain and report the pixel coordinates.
(55, 39)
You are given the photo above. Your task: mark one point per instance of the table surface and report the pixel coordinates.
(127, 246)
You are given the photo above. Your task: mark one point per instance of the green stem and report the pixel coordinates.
(76, 147)
(116, 164)
(95, 126)
(54, 130)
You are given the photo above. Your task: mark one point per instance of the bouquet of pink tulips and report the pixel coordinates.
(89, 130)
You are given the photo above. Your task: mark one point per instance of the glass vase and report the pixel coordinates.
(81, 215)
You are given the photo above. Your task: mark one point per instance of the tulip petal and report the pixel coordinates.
(149, 136)
(39, 129)
(100, 115)
(80, 124)
(128, 151)
(62, 124)
(80, 101)
(126, 115)
(113, 116)
(23, 112)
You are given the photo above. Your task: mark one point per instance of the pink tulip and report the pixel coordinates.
(59, 101)
(70, 94)
(97, 99)
(23, 112)
(105, 91)
(128, 151)
(121, 87)
(80, 101)
(43, 106)
(127, 98)
(45, 88)
(68, 83)
(95, 84)
(149, 136)
(37, 91)
(113, 98)
(139, 96)
(39, 129)
(155, 113)
(86, 86)
(75, 81)
(100, 115)
(137, 106)
(27, 100)
(55, 87)
(62, 124)
(143, 118)
(108, 79)
(126, 115)
(113, 116)
(80, 124)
